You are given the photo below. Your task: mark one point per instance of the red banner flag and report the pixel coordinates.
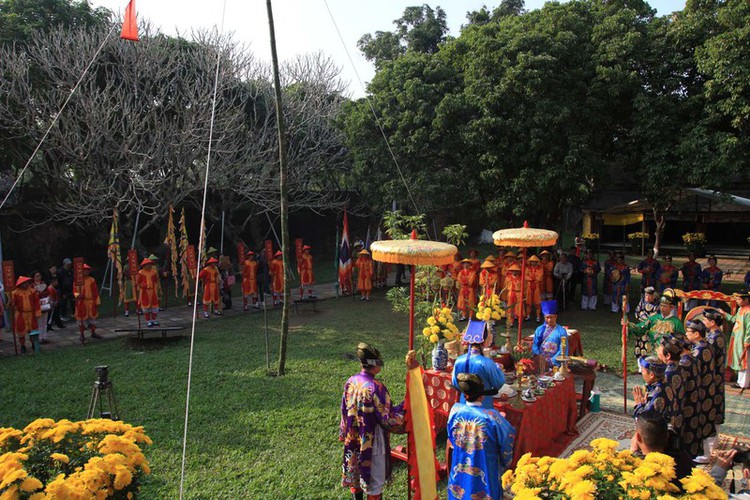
(269, 250)
(78, 271)
(192, 260)
(130, 24)
(298, 249)
(9, 276)
(133, 266)
(241, 254)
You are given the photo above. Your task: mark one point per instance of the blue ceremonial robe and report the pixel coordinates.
(718, 344)
(482, 449)
(704, 356)
(484, 368)
(659, 398)
(549, 343)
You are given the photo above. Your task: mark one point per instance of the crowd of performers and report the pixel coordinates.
(560, 275)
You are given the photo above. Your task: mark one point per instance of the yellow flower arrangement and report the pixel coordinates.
(50, 460)
(590, 236)
(604, 472)
(440, 325)
(637, 236)
(490, 308)
(694, 239)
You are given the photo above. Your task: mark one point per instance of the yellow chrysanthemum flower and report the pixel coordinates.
(60, 457)
(434, 338)
(431, 321)
(426, 331)
(31, 484)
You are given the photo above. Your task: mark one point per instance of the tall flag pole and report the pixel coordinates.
(336, 261)
(130, 24)
(345, 259)
(113, 250)
(171, 242)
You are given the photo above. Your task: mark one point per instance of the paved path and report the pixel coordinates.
(172, 316)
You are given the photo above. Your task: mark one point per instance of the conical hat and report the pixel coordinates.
(533, 258)
(487, 265)
(515, 267)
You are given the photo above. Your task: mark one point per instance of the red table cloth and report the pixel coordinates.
(544, 427)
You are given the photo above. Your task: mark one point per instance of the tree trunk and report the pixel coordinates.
(660, 223)
(284, 194)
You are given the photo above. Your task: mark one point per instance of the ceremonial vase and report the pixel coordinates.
(439, 356)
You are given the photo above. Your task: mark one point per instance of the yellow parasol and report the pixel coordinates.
(413, 252)
(421, 447)
(524, 237)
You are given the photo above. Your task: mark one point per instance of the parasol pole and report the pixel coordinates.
(625, 353)
(523, 286)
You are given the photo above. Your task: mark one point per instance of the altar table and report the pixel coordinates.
(544, 427)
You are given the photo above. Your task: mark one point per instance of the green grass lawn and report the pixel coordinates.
(250, 435)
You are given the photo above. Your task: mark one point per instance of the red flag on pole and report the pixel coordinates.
(129, 24)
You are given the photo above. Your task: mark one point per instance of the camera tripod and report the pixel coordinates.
(101, 391)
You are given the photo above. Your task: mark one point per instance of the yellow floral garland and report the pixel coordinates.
(440, 326)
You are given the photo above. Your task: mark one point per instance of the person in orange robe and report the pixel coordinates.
(250, 280)
(534, 285)
(513, 289)
(211, 278)
(87, 302)
(509, 259)
(488, 277)
(467, 290)
(476, 264)
(364, 274)
(26, 310)
(149, 289)
(305, 270)
(276, 270)
(548, 282)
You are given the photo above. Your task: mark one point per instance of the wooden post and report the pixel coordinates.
(625, 354)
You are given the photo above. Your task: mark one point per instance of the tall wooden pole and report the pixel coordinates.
(625, 354)
(283, 191)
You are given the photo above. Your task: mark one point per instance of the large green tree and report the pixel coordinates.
(21, 19)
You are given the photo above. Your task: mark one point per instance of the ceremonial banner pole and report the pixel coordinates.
(9, 278)
(625, 353)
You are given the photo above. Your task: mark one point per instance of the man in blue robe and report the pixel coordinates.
(482, 445)
(548, 337)
(478, 335)
(657, 395)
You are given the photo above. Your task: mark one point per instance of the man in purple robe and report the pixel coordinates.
(367, 419)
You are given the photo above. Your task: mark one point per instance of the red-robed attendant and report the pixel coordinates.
(305, 270)
(467, 289)
(276, 270)
(87, 302)
(548, 267)
(488, 277)
(513, 288)
(211, 278)
(148, 291)
(534, 285)
(26, 310)
(250, 280)
(364, 274)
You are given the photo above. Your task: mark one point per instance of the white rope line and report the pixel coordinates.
(372, 108)
(201, 243)
(54, 120)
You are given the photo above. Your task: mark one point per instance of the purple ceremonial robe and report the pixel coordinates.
(365, 405)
